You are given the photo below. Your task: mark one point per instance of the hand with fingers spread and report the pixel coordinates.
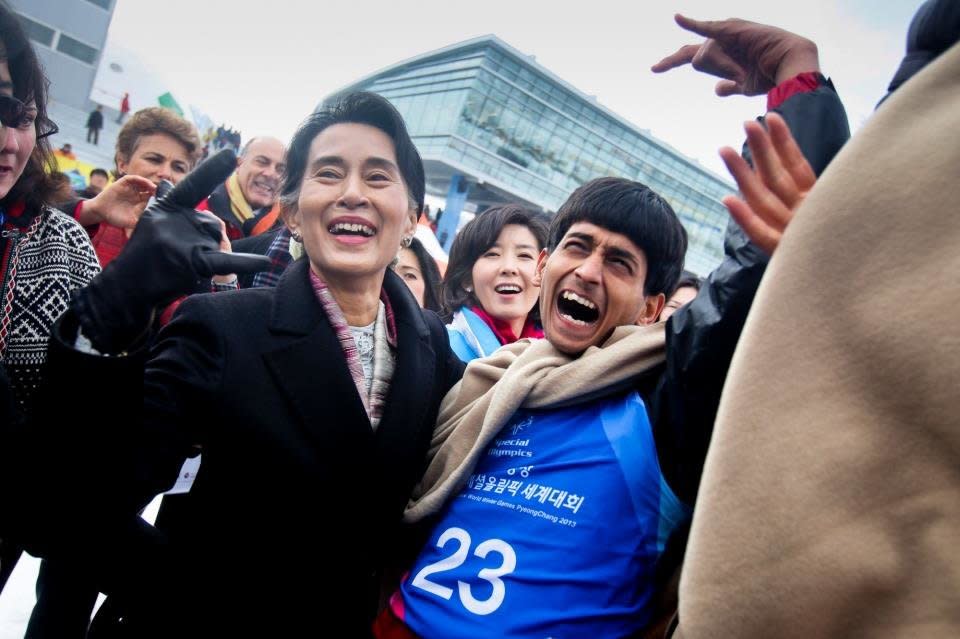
(750, 58)
(120, 204)
(172, 248)
(774, 189)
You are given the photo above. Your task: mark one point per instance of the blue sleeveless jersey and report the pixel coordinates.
(556, 534)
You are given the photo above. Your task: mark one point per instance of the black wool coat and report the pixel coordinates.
(297, 501)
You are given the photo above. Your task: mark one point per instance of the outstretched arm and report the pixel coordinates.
(702, 336)
(750, 58)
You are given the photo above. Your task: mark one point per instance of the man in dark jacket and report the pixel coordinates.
(830, 503)
(562, 467)
(94, 124)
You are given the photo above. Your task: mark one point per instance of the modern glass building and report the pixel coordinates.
(494, 126)
(69, 36)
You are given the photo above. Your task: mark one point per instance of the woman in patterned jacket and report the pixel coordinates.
(44, 254)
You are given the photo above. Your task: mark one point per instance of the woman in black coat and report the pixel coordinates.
(312, 403)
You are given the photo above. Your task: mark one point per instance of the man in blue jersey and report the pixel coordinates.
(562, 466)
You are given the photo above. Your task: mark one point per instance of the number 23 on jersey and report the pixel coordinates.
(460, 538)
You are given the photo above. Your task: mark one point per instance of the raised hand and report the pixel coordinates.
(120, 204)
(171, 249)
(775, 188)
(750, 58)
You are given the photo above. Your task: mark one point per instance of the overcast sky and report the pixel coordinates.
(262, 66)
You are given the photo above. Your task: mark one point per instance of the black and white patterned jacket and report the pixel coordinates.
(41, 262)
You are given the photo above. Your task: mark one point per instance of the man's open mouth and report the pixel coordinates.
(267, 188)
(345, 228)
(576, 308)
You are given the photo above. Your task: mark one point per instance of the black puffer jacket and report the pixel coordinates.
(702, 336)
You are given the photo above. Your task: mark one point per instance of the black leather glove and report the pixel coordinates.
(171, 249)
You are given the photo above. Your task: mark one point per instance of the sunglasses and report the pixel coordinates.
(14, 114)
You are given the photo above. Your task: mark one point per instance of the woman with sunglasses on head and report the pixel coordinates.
(44, 254)
(489, 286)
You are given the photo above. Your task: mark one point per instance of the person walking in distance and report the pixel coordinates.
(94, 124)
(124, 107)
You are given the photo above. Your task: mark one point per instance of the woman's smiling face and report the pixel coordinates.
(353, 206)
(502, 277)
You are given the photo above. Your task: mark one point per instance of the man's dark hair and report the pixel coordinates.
(99, 171)
(355, 108)
(636, 211)
(431, 278)
(474, 240)
(687, 279)
(35, 187)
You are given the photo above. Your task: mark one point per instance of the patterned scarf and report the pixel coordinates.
(238, 204)
(281, 256)
(243, 212)
(385, 341)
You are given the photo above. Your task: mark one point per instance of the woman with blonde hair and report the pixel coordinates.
(154, 145)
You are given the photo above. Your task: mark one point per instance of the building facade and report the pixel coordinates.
(69, 37)
(494, 126)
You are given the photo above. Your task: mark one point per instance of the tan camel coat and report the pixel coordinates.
(830, 500)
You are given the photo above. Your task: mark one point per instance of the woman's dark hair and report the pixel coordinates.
(474, 240)
(35, 187)
(635, 210)
(431, 278)
(357, 108)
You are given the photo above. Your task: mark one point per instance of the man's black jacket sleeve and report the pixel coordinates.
(702, 336)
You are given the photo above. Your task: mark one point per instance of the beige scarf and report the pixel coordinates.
(830, 499)
(525, 374)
